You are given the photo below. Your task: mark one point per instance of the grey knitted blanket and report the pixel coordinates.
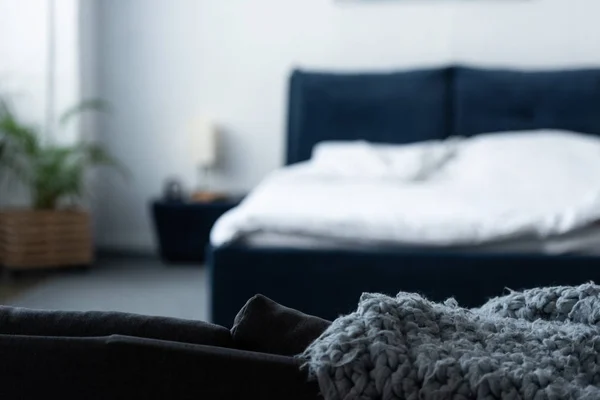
(539, 344)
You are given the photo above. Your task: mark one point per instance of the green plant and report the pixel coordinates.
(51, 172)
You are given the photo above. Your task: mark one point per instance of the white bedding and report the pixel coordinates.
(585, 241)
(489, 188)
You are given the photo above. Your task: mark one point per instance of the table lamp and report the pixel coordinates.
(204, 149)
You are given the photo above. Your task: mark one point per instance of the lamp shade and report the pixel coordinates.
(204, 135)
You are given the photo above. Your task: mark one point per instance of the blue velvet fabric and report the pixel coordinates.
(412, 106)
(328, 283)
(486, 100)
(400, 107)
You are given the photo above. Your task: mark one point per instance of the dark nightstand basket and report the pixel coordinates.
(183, 228)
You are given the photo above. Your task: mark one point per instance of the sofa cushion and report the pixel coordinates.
(122, 367)
(494, 100)
(266, 326)
(21, 321)
(36, 367)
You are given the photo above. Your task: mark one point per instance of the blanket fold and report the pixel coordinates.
(538, 344)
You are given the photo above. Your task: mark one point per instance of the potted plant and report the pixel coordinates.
(54, 231)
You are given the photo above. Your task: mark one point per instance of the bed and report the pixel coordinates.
(407, 107)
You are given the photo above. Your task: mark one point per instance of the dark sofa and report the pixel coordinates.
(113, 355)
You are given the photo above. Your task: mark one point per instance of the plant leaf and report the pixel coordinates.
(56, 175)
(19, 134)
(17, 143)
(51, 172)
(86, 105)
(98, 156)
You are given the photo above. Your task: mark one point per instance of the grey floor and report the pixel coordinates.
(142, 286)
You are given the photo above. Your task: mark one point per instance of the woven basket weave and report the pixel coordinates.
(45, 239)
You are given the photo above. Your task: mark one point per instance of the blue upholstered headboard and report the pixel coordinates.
(418, 105)
(395, 108)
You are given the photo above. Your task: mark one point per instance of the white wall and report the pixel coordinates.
(163, 62)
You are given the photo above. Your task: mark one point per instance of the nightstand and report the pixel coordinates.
(183, 228)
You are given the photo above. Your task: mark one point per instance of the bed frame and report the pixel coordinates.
(405, 107)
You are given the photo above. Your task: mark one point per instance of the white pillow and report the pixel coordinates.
(549, 154)
(361, 159)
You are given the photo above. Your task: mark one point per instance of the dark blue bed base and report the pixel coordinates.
(400, 108)
(329, 283)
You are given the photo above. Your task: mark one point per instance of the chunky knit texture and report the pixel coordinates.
(539, 344)
(561, 303)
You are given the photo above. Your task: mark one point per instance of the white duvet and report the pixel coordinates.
(458, 192)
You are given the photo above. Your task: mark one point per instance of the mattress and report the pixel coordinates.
(585, 241)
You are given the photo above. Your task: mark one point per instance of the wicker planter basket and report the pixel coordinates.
(45, 239)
